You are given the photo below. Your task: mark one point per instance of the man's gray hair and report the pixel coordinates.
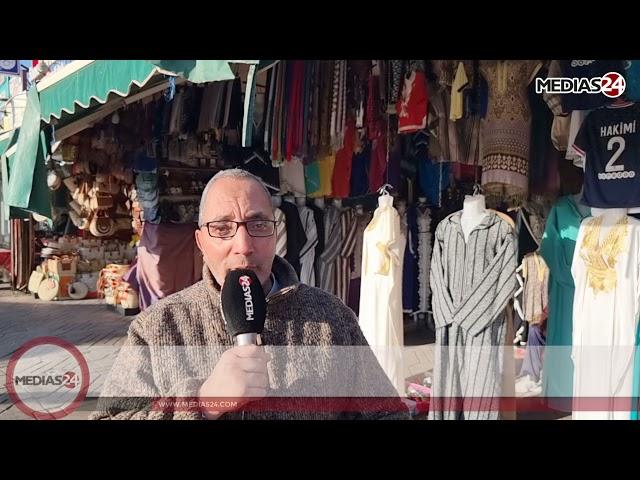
(230, 173)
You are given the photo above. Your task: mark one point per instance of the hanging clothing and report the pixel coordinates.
(318, 217)
(543, 165)
(587, 69)
(381, 290)
(296, 238)
(438, 123)
(395, 73)
(409, 227)
(210, 106)
(360, 172)
(325, 168)
(460, 82)
(575, 123)
(472, 283)
(292, 179)
(506, 130)
(423, 220)
(342, 270)
(361, 224)
(557, 250)
(295, 107)
(308, 251)
(279, 115)
(326, 93)
(281, 233)
(536, 285)
(606, 270)
(609, 144)
(356, 262)
(332, 245)
(168, 261)
(176, 112)
(378, 165)
(433, 179)
(335, 104)
(412, 106)
(342, 169)
(632, 79)
(312, 178)
(534, 355)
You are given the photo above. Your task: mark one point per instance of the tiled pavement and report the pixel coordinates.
(97, 332)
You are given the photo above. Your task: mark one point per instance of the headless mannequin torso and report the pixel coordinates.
(473, 212)
(610, 217)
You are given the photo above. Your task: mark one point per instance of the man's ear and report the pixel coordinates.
(197, 233)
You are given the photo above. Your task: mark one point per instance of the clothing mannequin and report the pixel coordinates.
(301, 201)
(473, 212)
(337, 202)
(605, 312)
(319, 202)
(609, 215)
(276, 201)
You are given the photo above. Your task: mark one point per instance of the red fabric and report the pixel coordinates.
(378, 164)
(294, 124)
(5, 259)
(373, 108)
(341, 180)
(412, 106)
(466, 173)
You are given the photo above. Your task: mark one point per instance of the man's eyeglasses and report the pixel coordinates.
(228, 228)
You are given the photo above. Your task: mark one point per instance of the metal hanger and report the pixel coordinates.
(255, 155)
(384, 189)
(477, 189)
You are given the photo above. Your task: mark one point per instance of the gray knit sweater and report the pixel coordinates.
(322, 366)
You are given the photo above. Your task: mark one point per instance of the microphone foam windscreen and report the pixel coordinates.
(244, 306)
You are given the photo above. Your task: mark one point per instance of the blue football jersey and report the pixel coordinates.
(609, 143)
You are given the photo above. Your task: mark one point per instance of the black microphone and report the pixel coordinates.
(244, 307)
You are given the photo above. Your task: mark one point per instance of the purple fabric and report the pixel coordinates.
(168, 261)
(532, 363)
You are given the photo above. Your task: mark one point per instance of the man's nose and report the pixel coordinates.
(242, 241)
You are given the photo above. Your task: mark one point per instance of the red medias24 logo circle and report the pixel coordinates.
(245, 281)
(38, 369)
(612, 84)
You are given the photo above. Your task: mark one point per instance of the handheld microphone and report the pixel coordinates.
(244, 307)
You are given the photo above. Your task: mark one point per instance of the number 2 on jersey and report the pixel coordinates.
(621, 145)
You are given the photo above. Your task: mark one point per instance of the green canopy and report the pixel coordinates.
(197, 71)
(24, 173)
(94, 82)
(100, 78)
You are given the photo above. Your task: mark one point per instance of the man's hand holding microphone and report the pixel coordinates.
(241, 373)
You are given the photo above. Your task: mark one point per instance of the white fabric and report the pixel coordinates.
(381, 290)
(604, 326)
(281, 232)
(424, 258)
(577, 117)
(308, 251)
(292, 177)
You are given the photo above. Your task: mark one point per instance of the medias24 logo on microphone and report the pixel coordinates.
(245, 283)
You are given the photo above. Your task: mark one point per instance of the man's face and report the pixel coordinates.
(240, 200)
